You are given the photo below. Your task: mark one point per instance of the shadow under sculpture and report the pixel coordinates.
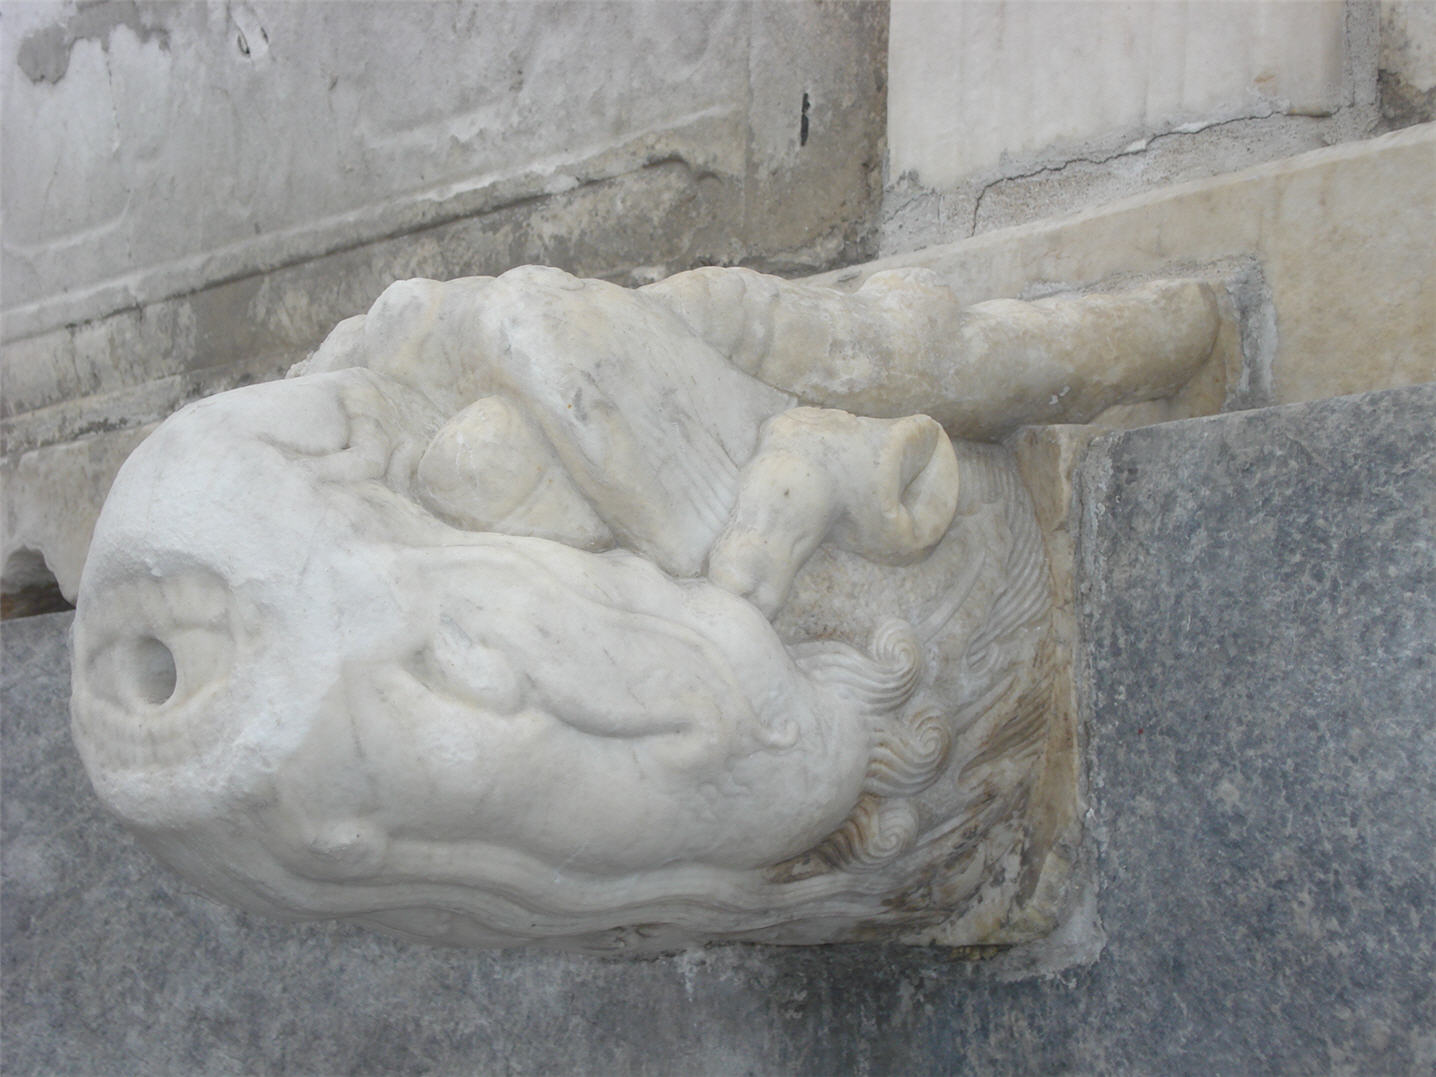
(537, 610)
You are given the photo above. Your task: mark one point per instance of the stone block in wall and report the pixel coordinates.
(165, 146)
(972, 84)
(1259, 606)
(1009, 111)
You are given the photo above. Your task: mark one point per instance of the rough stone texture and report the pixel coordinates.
(1261, 606)
(1327, 256)
(1406, 76)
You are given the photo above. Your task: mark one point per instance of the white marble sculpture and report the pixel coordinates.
(532, 609)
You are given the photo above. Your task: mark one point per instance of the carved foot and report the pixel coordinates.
(885, 489)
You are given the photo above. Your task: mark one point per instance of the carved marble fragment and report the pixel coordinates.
(532, 609)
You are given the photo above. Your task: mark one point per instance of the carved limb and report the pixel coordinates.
(645, 404)
(882, 488)
(902, 345)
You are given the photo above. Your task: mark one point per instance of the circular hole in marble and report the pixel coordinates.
(152, 670)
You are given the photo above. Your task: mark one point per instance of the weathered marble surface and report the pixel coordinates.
(537, 610)
(1263, 825)
(175, 147)
(1407, 73)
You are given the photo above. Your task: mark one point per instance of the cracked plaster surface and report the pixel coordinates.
(966, 157)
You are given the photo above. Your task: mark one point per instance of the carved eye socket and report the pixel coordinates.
(147, 672)
(145, 654)
(156, 666)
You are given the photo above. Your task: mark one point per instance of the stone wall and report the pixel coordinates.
(1406, 72)
(1007, 111)
(172, 147)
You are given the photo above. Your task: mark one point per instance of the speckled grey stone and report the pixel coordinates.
(1260, 605)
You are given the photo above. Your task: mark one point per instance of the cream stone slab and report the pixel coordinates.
(974, 85)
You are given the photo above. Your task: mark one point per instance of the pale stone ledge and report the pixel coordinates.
(1329, 254)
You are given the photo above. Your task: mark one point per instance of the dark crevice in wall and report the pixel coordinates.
(28, 587)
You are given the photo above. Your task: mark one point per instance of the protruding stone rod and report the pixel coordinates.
(902, 344)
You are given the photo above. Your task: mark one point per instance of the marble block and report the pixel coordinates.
(974, 87)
